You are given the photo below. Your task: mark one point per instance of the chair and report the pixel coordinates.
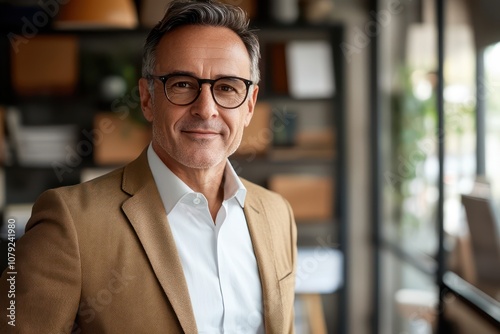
(485, 243)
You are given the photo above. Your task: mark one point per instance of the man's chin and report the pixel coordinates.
(197, 161)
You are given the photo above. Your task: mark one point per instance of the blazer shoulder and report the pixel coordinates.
(110, 180)
(270, 200)
(86, 196)
(261, 192)
(135, 173)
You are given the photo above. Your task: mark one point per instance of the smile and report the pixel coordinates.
(201, 134)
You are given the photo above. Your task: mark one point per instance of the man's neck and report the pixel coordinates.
(209, 181)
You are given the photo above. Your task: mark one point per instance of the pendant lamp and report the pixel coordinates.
(97, 14)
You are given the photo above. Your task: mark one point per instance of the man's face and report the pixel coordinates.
(200, 135)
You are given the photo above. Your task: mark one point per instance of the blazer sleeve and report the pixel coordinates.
(48, 279)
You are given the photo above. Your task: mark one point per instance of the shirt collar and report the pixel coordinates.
(172, 189)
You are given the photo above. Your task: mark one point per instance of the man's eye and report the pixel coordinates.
(182, 84)
(225, 88)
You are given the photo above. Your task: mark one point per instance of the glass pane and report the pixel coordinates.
(459, 104)
(409, 136)
(492, 85)
(476, 257)
(472, 201)
(460, 126)
(409, 298)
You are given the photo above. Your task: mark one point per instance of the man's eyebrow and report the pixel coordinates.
(179, 73)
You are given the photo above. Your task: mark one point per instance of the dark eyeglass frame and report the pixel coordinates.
(211, 82)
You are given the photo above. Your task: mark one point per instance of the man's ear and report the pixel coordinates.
(252, 100)
(146, 99)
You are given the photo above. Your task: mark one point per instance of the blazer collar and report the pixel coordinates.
(146, 213)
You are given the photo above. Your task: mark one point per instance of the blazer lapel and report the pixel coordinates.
(263, 249)
(146, 213)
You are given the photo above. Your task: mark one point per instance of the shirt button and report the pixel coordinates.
(196, 201)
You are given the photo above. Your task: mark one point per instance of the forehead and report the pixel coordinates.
(203, 50)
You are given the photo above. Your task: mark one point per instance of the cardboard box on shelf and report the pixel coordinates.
(310, 196)
(257, 137)
(46, 65)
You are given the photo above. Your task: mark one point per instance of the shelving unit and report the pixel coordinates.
(323, 116)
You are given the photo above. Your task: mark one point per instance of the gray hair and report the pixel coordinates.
(208, 13)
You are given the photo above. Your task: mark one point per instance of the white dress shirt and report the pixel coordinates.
(218, 259)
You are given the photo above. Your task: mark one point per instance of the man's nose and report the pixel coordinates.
(205, 106)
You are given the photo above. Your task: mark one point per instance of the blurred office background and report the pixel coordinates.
(378, 120)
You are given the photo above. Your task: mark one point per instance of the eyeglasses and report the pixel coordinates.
(183, 89)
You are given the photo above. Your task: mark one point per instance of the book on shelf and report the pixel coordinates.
(46, 65)
(310, 69)
(39, 145)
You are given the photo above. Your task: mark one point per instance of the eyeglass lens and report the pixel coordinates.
(227, 92)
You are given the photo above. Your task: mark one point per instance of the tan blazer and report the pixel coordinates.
(99, 257)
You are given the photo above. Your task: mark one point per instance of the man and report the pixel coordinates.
(174, 242)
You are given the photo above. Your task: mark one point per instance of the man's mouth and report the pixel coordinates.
(201, 133)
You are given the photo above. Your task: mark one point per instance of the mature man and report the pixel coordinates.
(174, 242)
